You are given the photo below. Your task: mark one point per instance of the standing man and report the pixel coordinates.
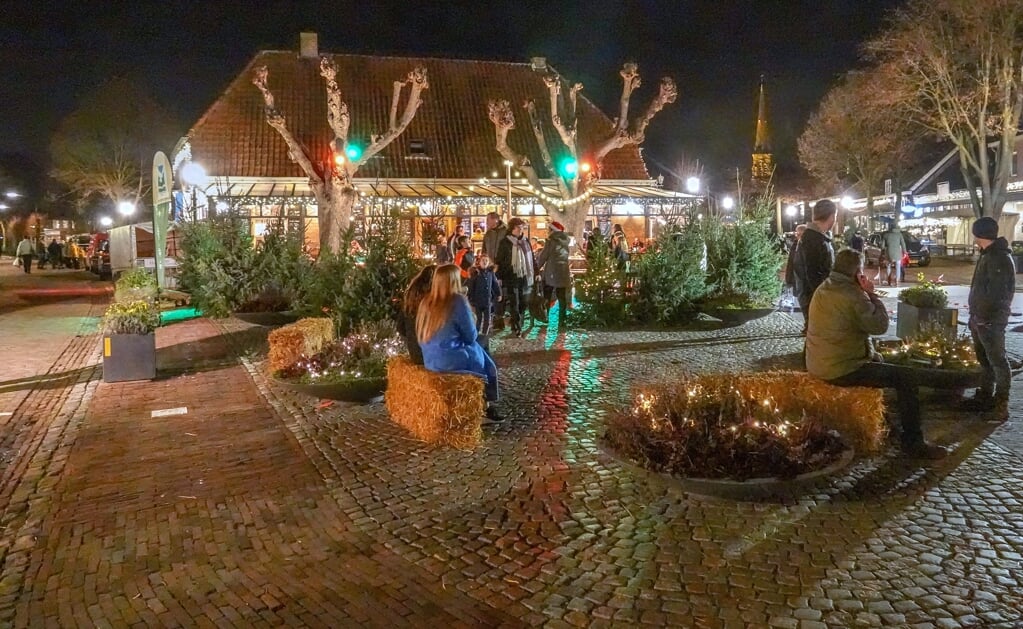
(496, 232)
(557, 278)
(814, 255)
(453, 239)
(991, 291)
(790, 266)
(856, 242)
(515, 270)
(893, 244)
(25, 252)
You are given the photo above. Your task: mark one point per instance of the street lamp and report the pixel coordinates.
(194, 175)
(126, 208)
(847, 202)
(106, 221)
(693, 185)
(791, 211)
(12, 194)
(728, 203)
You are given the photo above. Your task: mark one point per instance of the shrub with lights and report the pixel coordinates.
(361, 355)
(600, 290)
(744, 259)
(933, 348)
(722, 427)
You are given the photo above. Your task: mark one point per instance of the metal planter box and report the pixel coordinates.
(911, 318)
(129, 357)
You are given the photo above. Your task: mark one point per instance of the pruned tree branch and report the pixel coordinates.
(620, 136)
(277, 120)
(417, 81)
(630, 82)
(560, 120)
(337, 110)
(503, 118)
(536, 124)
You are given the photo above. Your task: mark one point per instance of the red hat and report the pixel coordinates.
(558, 226)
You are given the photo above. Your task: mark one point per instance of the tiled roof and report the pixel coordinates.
(233, 138)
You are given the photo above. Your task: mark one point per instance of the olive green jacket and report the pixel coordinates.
(842, 319)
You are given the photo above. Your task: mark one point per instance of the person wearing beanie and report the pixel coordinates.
(557, 278)
(991, 292)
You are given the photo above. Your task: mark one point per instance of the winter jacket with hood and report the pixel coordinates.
(842, 318)
(814, 258)
(553, 258)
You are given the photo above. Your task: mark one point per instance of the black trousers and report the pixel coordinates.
(562, 294)
(26, 263)
(906, 383)
(514, 291)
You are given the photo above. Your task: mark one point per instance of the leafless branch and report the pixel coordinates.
(418, 81)
(277, 120)
(337, 110)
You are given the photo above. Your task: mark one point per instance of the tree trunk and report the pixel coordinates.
(574, 219)
(335, 215)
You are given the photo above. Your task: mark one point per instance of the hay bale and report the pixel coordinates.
(857, 413)
(439, 408)
(304, 337)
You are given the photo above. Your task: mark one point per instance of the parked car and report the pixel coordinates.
(98, 255)
(919, 254)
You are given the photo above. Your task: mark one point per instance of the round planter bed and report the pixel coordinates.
(936, 378)
(268, 319)
(753, 489)
(360, 390)
(737, 316)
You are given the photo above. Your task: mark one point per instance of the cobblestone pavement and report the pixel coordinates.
(260, 506)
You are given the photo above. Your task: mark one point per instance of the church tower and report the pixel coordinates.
(763, 160)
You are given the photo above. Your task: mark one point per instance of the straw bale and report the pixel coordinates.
(857, 413)
(435, 407)
(305, 337)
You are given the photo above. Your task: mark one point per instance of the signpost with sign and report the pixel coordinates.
(162, 184)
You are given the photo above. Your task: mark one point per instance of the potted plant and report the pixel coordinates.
(129, 341)
(925, 305)
(352, 369)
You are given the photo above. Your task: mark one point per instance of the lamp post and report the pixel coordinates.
(126, 208)
(507, 167)
(194, 175)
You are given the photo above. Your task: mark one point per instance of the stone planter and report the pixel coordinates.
(736, 316)
(361, 390)
(129, 357)
(910, 319)
(268, 319)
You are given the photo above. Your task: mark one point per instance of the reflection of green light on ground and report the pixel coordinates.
(178, 314)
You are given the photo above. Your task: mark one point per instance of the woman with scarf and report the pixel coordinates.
(515, 270)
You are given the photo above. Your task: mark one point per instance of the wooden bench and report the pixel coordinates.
(441, 408)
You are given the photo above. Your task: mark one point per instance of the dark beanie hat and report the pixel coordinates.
(986, 228)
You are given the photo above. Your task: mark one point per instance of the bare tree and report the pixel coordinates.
(957, 68)
(855, 135)
(105, 147)
(569, 203)
(333, 183)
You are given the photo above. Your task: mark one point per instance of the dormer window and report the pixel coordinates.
(417, 147)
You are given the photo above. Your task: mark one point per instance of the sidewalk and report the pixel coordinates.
(260, 507)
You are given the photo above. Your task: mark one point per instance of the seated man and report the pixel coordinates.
(844, 312)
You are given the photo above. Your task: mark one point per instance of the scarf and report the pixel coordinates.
(520, 263)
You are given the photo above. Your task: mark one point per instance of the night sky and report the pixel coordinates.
(187, 52)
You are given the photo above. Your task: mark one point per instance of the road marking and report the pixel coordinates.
(164, 412)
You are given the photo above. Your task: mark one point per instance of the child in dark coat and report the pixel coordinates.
(483, 293)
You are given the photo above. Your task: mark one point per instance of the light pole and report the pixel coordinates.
(194, 175)
(507, 167)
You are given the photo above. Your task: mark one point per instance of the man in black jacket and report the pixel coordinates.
(991, 291)
(814, 255)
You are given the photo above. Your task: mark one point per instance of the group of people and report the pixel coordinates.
(842, 310)
(451, 308)
(56, 254)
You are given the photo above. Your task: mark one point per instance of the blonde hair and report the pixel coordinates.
(435, 309)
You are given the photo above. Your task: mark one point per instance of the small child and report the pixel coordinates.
(484, 292)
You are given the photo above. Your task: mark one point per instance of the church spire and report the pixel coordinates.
(763, 160)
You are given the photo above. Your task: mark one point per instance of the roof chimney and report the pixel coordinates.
(308, 46)
(539, 64)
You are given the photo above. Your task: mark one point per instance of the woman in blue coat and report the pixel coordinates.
(447, 334)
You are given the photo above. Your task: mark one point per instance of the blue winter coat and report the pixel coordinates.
(453, 348)
(483, 289)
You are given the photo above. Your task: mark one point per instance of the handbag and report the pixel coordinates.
(537, 303)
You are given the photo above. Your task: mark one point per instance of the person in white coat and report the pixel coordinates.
(26, 249)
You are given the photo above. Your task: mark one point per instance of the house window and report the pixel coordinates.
(943, 189)
(417, 148)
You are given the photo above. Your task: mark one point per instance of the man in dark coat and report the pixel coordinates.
(991, 291)
(557, 278)
(496, 232)
(814, 255)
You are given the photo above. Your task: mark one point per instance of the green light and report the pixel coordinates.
(569, 168)
(353, 152)
(178, 314)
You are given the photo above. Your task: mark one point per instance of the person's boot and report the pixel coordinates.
(492, 416)
(923, 450)
(999, 411)
(982, 400)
